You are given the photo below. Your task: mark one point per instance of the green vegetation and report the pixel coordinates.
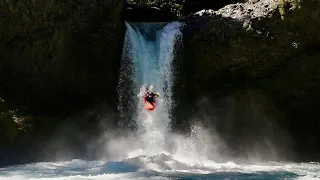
(288, 5)
(16, 123)
(58, 56)
(11, 123)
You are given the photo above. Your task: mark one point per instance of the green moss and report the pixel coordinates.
(288, 5)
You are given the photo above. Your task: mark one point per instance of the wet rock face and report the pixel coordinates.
(168, 10)
(148, 14)
(192, 6)
(57, 59)
(152, 10)
(242, 12)
(254, 46)
(249, 10)
(58, 56)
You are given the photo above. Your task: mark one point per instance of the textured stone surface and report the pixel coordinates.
(253, 47)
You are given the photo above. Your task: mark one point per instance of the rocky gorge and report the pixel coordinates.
(247, 69)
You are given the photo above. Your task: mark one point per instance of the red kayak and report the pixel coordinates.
(149, 106)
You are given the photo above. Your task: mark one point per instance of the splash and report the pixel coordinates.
(162, 168)
(149, 50)
(147, 61)
(152, 151)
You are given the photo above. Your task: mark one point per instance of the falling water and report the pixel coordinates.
(147, 61)
(153, 152)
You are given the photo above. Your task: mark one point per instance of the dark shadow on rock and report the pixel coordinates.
(224, 55)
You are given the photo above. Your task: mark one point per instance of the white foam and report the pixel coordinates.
(124, 176)
(151, 51)
(153, 147)
(164, 164)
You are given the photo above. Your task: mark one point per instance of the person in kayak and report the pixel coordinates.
(150, 97)
(149, 100)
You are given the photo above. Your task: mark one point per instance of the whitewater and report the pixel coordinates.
(150, 149)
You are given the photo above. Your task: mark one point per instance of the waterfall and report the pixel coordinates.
(147, 61)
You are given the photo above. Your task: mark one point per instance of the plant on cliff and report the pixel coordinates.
(11, 123)
(288, 5)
